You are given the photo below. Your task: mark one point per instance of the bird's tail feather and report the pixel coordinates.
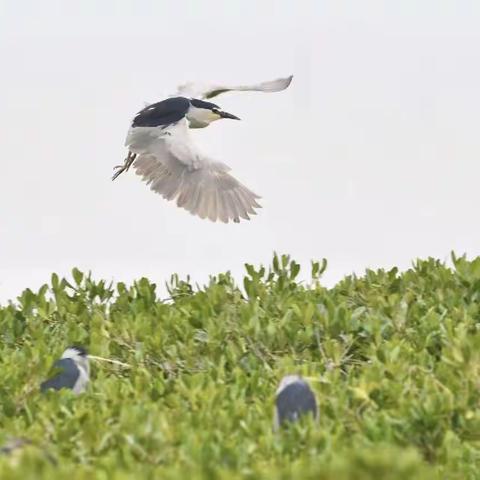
(210, 192)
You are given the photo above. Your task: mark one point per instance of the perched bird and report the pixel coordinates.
(164, 155)
(14, 448)
(14, 444)
(73, 371)
(294, 399)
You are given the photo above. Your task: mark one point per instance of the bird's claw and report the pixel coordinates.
(120, 169)
(124, 168)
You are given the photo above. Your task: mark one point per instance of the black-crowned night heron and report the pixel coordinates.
(13, 448)
(294, 398)
(164, 155)
(13, 444)
(73, 371)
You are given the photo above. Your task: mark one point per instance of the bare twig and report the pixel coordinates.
(116, 362)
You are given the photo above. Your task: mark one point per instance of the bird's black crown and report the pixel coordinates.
(202, 104)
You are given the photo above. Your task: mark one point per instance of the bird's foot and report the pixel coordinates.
(124, 168)
(120, 169)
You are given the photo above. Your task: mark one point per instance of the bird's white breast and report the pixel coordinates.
(82, 381)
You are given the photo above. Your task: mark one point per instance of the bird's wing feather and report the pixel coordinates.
(209, 91)
(172, 165)
(66, 378)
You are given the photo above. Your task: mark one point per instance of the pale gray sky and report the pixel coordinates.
(370, 158)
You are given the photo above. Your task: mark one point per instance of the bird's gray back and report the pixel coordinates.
(295, 400)
(65, 379)
(162, 113)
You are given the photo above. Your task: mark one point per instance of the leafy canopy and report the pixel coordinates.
(393, 358)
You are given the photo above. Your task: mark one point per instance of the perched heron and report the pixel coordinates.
(73, 371)
(164, 155)
(14, 444)
(294, 399)
(15, 447)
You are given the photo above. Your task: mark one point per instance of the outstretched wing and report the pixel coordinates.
(195, 90)
(170, 163)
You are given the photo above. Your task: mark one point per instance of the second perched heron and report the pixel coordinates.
(73, 371)
(294, 399)
(163, 153)
(15, 447)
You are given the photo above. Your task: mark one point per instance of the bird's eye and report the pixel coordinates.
(215, 110)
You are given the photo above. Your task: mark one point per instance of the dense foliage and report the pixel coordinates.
(393, 358)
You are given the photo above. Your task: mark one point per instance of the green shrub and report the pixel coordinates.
(394, 360)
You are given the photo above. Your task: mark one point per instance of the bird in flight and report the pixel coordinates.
(162, 152)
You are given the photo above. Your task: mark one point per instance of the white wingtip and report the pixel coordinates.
(276, 85)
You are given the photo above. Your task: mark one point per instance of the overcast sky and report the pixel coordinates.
(370, 158)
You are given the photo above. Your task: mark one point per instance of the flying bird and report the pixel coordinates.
(73, 371)
(162, 152)
(294, 398)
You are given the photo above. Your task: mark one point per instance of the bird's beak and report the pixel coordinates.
(227, 115)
